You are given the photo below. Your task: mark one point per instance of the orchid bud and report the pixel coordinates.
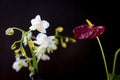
(73, 40)
(59, 29)
(63, 44)
(9, 31)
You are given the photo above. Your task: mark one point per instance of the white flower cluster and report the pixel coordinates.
(39, 45)
(42, 43)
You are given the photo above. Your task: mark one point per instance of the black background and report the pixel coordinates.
(79, 61)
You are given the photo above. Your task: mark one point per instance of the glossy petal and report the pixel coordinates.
(85, 32)
(97, 31)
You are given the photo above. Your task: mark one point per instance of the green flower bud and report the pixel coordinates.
(63, 44)
(59, 29)
(17, 51)
(56, 41)
(73, 40)
(9, 31)
(66, 39)
(31, 69)
(23, 51)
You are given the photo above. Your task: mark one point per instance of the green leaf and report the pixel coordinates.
(114, 77)
(111, 76)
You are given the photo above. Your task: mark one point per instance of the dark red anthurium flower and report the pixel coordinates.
(88, 31)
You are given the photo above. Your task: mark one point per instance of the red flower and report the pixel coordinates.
(87, 31)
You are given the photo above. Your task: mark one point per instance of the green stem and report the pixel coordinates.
(105, 64)
(114, 62)
(23, 34)
(34, 60)
(18, 29)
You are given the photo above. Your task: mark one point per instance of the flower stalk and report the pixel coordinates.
(114, 62)
(103, 55)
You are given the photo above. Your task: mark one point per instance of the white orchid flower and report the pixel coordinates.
(46, 42)
(50, 44)
(40, 53)
(19, 63)
(40, 38)
(39, 25)
(45, 57)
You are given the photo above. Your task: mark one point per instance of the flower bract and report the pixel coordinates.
(86, 32)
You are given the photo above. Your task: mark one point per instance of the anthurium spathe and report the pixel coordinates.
(87, 32)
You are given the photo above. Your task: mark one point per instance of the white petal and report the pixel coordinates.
(32, 28)
(44, 24)
(51, 37)
(37, 20)
(29, 34)
(25, 41)
(45, 57)
(37, 42)
(41, 36)
(16, 66)
(38, 55)
(38, 17)
(42, 31)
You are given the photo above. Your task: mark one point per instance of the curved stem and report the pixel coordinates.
(22, 38)
(18, 29)
(23, 34)
(103, 55)
(114, 62)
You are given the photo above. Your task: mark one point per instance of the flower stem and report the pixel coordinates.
(103, 55)
(18, 29)
(114, 62)
(34, 60)
(35, 64)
